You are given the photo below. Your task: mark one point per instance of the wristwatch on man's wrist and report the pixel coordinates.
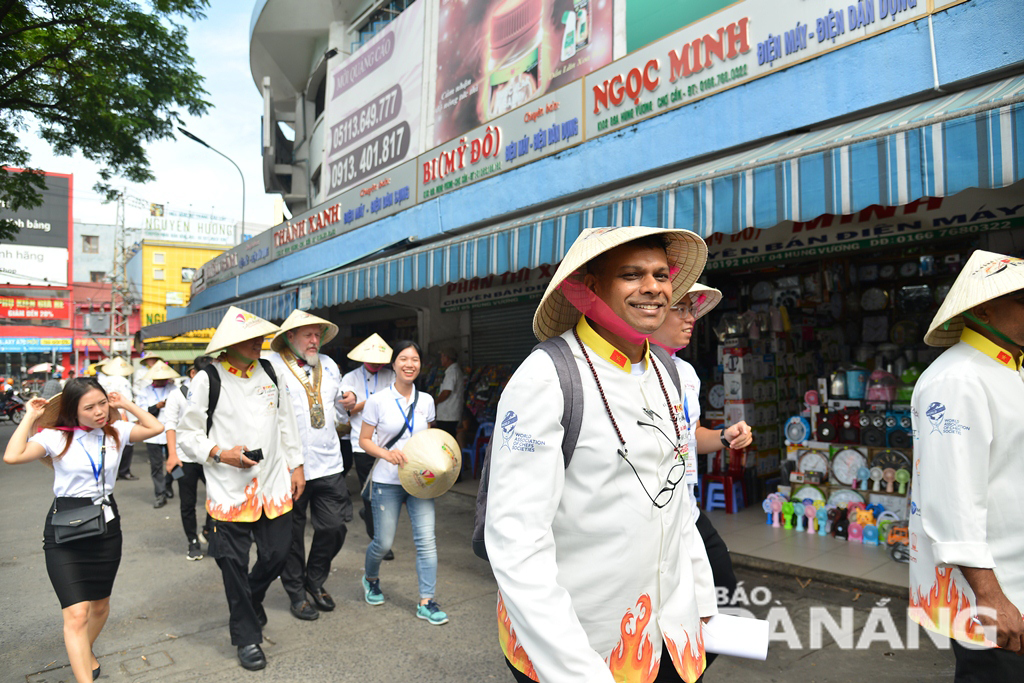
(216, 456)
(725, 441)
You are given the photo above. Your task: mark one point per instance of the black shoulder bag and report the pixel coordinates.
(85, 521)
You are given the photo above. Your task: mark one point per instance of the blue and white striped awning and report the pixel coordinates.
(274, 306)
(974, 138)
(938, 148)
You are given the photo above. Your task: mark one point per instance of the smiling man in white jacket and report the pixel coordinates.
(601, 573)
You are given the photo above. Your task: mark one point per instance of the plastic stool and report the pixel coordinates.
(715, 496)
(737, 498)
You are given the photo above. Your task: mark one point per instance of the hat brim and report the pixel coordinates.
(117, 367)
(373, 349)
(230, 332)
(686, 251)
(986, 276)
(712, 297)
(48, 419)
(328, 331)
(433, 462)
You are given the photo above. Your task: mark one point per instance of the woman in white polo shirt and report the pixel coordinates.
(390, 417)
(82, 438)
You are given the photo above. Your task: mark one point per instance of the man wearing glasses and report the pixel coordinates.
(601, 573)
(966, 547)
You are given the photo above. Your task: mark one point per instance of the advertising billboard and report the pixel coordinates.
(496, 55)
(373, 105)
(38, 254)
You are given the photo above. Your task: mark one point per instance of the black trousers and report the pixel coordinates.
(125, 466)
(158, 468)
(329, 507)
(987, 666)
(666, 671)
(244, 588)
(364, 463)
(346, 455)
(721, 564)
(188, 492)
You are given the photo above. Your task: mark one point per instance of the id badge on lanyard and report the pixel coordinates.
(98, 474)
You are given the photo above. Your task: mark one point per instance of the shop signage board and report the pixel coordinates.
(246, 256)
(496, 55)
(34, 309)
(496, 290)
(34, 344)
(744, 41)
(191, 229)
(922, 221)
(35, 266)
(543, 127)
(374, 99)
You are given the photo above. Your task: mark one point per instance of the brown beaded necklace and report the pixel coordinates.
(623, 451)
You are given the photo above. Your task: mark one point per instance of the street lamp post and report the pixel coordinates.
(204, 144)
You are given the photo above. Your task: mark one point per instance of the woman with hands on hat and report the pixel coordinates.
(82, 438)
(390, 417)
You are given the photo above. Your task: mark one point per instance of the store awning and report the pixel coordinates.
(275, 306)
(175, 355)
(973, 138)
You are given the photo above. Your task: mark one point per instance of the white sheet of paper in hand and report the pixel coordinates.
(726, 634)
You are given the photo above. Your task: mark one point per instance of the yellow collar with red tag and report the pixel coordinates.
(990, 348)
(246, 374)
(604, 349)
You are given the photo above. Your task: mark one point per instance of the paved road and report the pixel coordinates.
(169, 618)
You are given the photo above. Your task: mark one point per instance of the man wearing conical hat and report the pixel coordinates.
(313, 382)
(966, 546)
(673, 336)
(146, 363)
(375, 374)
(153, 399)
(252, 457)
(112, 375)
(601, 573)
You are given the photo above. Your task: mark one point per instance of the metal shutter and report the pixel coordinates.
(502, 334)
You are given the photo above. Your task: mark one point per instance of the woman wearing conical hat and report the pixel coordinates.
(966, 548)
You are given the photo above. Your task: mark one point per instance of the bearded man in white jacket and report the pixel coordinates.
(601, 573)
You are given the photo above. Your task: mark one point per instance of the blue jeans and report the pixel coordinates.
(387, 502)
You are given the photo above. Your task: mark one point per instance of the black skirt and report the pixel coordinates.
(84, 569)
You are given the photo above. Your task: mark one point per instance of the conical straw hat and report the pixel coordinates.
(238, 326)
(328, 330)
(433, 462)
(703, 299)
(687, 254)
(117, 366)
(160, 370)
(49, 417)
(373, 349)
(986, 276)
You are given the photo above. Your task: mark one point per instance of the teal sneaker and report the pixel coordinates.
(371, 589)
(432, 613)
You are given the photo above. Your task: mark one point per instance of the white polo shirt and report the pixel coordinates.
(450, 409)
(364, 384)
(78, 473)
(387, 411)
(966, 502)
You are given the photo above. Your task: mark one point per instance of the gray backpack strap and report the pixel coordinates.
(571, 384)
(673, 372)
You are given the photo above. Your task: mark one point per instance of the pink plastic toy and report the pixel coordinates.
(810, 512)
(776, 509)
(856, 533)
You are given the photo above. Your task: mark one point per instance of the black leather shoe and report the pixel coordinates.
(160, 502)
(95, 673)
(129, 477)
(389, 555)
(321, 599)
(169, 494)
(303, 610)
(261, 614)
(251, 657)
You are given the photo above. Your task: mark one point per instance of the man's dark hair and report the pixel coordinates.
(595, 264)
(201, 362)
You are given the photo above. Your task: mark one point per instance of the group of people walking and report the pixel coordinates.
(605, 570)
(261, 432)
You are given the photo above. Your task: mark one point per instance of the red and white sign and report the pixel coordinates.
(34, 309)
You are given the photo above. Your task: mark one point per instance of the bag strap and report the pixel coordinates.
(211, 404)
(571, 384)
(268, 368)
(408, 419)
(184, 390)
(673, 372)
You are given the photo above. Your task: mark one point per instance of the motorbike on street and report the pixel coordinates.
(12, 407)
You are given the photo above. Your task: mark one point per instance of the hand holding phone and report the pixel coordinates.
(254, 455)
(177, 472)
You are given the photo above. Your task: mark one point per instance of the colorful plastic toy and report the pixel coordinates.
(855, 533)
(767, 507)
(787, 515)
(798, 513)
(870, 535)
(822, 517)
